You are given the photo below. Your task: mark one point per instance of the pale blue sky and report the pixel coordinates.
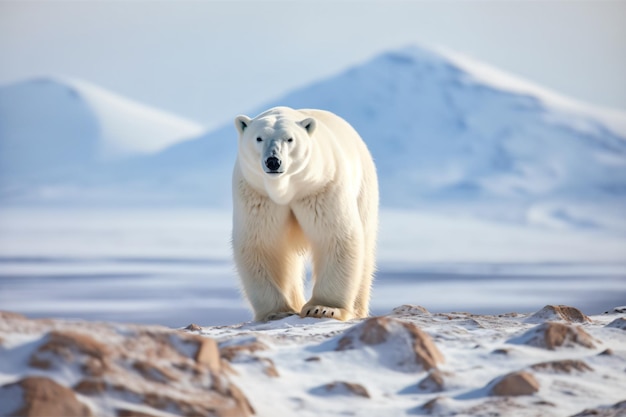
(209, 61)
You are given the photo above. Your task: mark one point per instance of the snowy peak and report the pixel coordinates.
(128, 127)
(471, 71)
(75, 114)
(486, 74)
(442, 127)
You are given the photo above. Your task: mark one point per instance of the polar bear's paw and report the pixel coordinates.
(318, 311)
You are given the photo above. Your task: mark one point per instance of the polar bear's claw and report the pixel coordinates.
(325, 312)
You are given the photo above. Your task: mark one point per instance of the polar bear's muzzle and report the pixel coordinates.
(273, 165)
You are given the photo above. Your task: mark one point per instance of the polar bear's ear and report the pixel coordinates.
(241, 123)
(308, 124)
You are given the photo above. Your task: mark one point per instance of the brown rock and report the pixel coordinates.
(132, 413)
(615, 410)
(426, 351)
(378, 330)
(552, 335)
(242, 406)
(9, 315)
(154, 367)
(430, 405)
(514, 384)
(433, 382)
(560, 312)
(208, 354)
(269, 368)
(410, 310)
(203, 350)
(566, 366)
(66, 344)
(40, 363)
(153, 372)
(90, 387)
(44, 397)
(70, 347)
(346, 388)
(193, 328)
(230, 352)
(618, 323)
(14, 322)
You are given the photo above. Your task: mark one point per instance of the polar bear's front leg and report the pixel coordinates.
(271, 277)
(337, 270)
(267, 251)
(338, 249)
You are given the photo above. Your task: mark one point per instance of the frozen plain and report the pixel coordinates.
(174, 267)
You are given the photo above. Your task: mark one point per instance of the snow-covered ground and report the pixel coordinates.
(554, 362)
(173, 266)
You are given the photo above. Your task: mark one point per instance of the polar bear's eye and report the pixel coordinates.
(290, 140)
(259, 139)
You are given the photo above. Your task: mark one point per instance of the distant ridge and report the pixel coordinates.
(122, 126)
(444, 130)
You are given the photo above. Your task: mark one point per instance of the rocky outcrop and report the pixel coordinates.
(136, 368)
(433, 382)
(413, 348)
(515, 384)
(559, 313)
(350, 389)
(565, 366)
(553, 335)
(409, 310)
(38, 396)
(615, 410)
(383, 365)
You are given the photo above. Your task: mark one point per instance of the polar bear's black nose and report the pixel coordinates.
(272, 163)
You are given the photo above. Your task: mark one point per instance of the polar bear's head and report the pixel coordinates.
(274, 144)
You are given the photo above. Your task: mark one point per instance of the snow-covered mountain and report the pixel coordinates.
(443, 129)
(449, 131)
(54, 131)
(438, 127)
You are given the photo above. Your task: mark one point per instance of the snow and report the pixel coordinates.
(614, 119)
(445, 131)
(129, 127)
(302, 352)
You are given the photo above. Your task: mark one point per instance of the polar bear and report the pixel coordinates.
(304, 183)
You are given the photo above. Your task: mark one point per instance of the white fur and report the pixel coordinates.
(324, 201)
